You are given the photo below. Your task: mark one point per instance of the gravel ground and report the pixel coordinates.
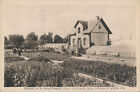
(117, 60)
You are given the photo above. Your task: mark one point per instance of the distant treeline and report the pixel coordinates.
(32, 40)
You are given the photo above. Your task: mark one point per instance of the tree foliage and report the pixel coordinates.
(50, 37)
(28, 44)
(16, 40)
(6, 41)
(32, 37)
(66, 39)
(30, 41)
(44, 39)
(58, 39)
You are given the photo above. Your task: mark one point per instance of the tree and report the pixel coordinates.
(6, 41)
(43, 39)
(32, 36)
(16, 40)
(58, 39)
(50, 37)
(31, 41)
(65, 40)
(28, 44)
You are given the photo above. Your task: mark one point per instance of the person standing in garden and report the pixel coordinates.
(14, 50)
(19, 52)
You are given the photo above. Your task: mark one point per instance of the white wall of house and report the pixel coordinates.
(73, 38)
(86, 42)
(79, 35)
(99, 39)
(84, 38)
(99, 35)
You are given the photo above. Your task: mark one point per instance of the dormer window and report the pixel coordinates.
(85, 27)
(78, 29)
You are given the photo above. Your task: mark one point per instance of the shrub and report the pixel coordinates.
(48, 50)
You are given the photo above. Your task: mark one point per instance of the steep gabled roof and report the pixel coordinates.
(102, 21)
(91, 25)
(84, 23)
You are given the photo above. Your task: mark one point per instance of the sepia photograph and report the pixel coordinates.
(69, 45)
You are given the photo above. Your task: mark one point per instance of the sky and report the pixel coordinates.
(43, 16)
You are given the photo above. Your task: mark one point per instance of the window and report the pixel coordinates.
(85, 27)
(69, 41)
(73, 41)
(84, 41)
(78, 29)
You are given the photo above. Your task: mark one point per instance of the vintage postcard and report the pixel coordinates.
(75, 46)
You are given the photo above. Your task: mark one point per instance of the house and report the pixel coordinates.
(89, 33)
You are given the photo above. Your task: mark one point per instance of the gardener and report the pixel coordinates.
(14, 50)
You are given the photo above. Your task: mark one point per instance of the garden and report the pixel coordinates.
(39, 71)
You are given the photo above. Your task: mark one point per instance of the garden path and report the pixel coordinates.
(54, 61)
(100, 80)
(22, 56)
(127, 61)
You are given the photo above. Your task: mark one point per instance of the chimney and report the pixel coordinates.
(98, 17)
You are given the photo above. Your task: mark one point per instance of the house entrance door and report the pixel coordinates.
(79, 43)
